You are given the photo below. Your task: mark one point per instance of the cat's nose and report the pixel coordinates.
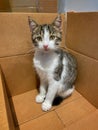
(45, 46)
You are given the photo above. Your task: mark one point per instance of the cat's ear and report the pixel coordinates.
(32, 24)
(58, 22)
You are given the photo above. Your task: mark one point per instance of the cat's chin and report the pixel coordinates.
(45, 50)
(48, 50)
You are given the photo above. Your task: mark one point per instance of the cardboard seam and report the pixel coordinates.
(60, 119)
(22, 123)
(17, 55)
(64, 48)
(84, 55)
(4, 104)
(83, 116)
(24, 13)
(4, 96)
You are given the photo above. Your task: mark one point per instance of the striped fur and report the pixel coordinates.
(57, 69)
(38, 32)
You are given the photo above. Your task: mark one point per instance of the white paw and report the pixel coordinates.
(40, 98)
(46, 106)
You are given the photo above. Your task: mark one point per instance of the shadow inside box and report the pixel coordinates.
(58, 100)
(14, 113)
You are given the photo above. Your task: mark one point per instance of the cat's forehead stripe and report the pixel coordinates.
(46, 34)
(42, 30)
(48, 27)
(45, 27)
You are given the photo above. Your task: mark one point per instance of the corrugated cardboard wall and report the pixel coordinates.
(82, 38)
(6, 120)
(82, 33)
(42, 6)
(5, 6)
(15, 43)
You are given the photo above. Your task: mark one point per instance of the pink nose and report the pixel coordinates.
(45, 46)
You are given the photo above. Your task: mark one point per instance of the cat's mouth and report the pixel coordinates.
(46, 49)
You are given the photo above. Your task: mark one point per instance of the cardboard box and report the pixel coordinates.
(18, 80)
(23, 6)
(42, 6)
(5, 6)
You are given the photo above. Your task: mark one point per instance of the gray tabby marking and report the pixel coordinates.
(57, 69)
(71, 67)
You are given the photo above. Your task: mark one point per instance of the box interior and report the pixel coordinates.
(19, 82)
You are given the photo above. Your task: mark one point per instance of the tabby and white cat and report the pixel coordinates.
(57, 69)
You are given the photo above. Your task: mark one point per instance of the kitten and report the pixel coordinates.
(57, 69)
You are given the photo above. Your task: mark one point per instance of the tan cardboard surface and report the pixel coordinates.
(87, 80)
(19, 74)
(48, 6)
(15, 35)
(49, 121)
(29, 115)
(25, 108)
(88, 123)
(5, 6)
(82, 33)
(18, 3)
(74, 111)
(23, 9)
(3, 117)
(6, 121)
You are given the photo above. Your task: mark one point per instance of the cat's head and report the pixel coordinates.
(47, 36)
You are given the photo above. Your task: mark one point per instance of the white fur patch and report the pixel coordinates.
(46, 106)
(40, 98)
(46, 41)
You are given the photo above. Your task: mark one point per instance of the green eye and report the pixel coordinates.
(52, 37)
(39, 38)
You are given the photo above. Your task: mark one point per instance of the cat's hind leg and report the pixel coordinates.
(66, 93)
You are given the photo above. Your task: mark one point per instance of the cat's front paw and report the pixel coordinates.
(46, 106)
(39, 98)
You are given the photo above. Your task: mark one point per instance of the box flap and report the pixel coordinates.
(87, 80)
(19, 74)
(15, 36)
(82, 33)
(88, 123)
(6, 121)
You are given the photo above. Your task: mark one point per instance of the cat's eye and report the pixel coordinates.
(39, 38)
(52, 37)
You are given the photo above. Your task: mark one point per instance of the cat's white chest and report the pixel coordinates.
(45, 61)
